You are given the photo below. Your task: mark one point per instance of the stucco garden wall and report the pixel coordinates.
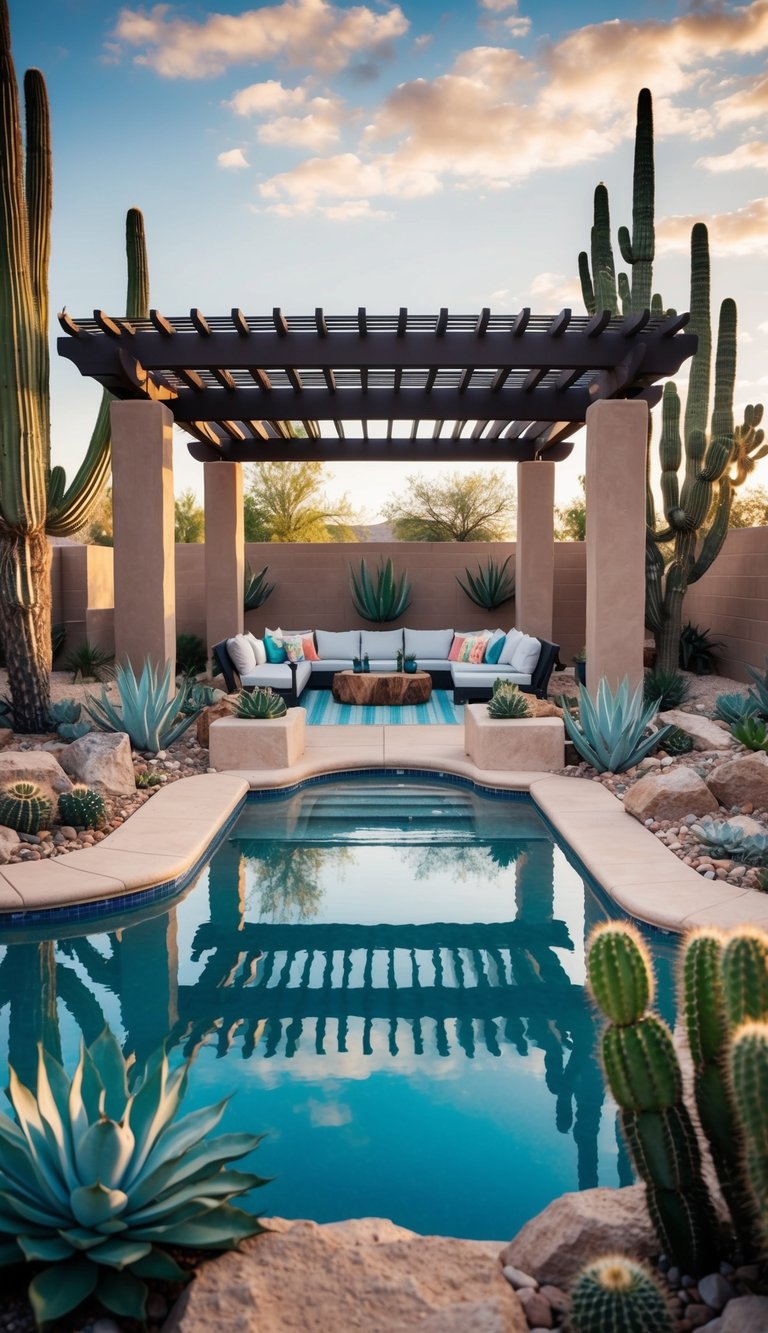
(731, 600)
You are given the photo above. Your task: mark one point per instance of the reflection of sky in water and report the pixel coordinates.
(418, 1065)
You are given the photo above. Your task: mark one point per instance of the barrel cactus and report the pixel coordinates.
(508, 701)
(644, 1076)
(82, 807)
(97, 1181)
(23, 807)
(616, 1293)
(260, 704)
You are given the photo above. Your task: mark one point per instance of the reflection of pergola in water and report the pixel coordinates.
(489, 388)
(267, 989)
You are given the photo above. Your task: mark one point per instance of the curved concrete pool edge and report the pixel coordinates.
(170, 835)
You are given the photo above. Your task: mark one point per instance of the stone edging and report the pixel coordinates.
(170, 835)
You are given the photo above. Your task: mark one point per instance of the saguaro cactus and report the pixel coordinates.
(35, 500)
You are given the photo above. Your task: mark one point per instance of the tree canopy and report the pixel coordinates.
(286, 502)
(750, 509)
(189, 518)
(476, 507)
(571, 518)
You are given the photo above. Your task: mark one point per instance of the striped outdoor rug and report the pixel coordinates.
(323, 710)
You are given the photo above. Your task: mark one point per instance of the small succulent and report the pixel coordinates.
(678, 741)
(752, 732)
(146, 779)
(260, 704)
(732, 708)
(82, 807)
(507, 701)
(67, 720)
(669, 688)
(23, 807)
(697, 650)
(614, 1293)
(758, 693)
(199, 697)
(151, 717)
(97, 1180)
(256, 590)
(90, 662)
(383, 597)
(490, 586)
(725, 839)
(611, 733)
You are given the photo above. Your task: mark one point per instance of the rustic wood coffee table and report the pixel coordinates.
(382, 687)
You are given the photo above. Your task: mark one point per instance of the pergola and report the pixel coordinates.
(405, 388)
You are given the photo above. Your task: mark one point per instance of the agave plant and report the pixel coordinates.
(729, 840)
(96, 1180)
(90, 662)
(752, 732)
(256, 590)
(260, 704)
(732, 708)
(67, 719)
(149, 715)
(386, 598)
(490, 586)
(697, 650)
(678, 741)
(668, 688)
(612, 735)
(758, 693)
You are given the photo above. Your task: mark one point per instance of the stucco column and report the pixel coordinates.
(224, 551)
(143, 518)
(617, 435)
(535, 551)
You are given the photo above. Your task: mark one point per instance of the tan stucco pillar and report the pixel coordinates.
(535, 551)
(143, 517)
(224, 550)
(617, 433)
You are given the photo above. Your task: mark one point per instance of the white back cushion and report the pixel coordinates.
(507, 653)
(434, 643)
(259, 651)
(345, 644)
(526, 654)
(381, 644)
(242, 654)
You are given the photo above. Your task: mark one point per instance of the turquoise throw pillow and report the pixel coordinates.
(274, 650)
(493, 653)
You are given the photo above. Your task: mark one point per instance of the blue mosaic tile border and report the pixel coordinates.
(453, 779)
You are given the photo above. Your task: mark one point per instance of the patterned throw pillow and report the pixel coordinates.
(293, 645)
(473, 649)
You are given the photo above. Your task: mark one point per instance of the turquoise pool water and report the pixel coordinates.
(389, 976)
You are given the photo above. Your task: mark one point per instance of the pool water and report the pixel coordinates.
(389, 976)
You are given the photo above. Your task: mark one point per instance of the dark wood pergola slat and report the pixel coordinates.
(522, 382)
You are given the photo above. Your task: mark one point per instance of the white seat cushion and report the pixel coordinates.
(330, 644)
(526, 654)
(278, 675)
(382, 644)
(470, 677)
(333, 664)
(434, 643)
(242, 654)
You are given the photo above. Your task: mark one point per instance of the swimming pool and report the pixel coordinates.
(388, 973)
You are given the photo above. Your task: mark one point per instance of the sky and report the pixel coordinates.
(305, 153)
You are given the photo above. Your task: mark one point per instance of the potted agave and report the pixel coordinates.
(263, 733)
(503, 734)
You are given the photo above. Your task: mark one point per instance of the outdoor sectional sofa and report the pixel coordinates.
(431, 648)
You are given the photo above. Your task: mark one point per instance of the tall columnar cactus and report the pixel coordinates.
(599, 288)
(644, 1076)
(35, 500)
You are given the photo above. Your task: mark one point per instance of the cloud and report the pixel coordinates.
(516, 24)
(550, 291)
(742, 232)
(749, 102)
(261, 99)
(747, 155)
(233, 157)
(311, 33)
(333, 183)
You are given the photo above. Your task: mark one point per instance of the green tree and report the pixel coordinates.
(478, 507)
(98, 532)
(571, 518)
(286, 502)
(750, 510)
(189, 519)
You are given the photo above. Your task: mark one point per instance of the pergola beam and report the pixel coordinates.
(360, 450)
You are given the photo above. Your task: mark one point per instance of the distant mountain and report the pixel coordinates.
(374, 532)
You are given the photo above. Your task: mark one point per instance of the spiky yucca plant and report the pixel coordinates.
(96, 1180)
(490, 586)
(383, 598)
(35, 499)
(256, 590)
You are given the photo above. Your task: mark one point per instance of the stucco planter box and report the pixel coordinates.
(528, 743)
(248, 743)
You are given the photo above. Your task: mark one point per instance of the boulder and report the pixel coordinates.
(224, 708)
(741, 780)
(671, 794)
(705, 734)
(747, 1314)
(749, 826)
(9, 844)
(102, 759)
(34, 766)
(576, 1228)
(359, 1277)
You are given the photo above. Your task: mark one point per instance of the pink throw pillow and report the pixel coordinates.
(456, 647)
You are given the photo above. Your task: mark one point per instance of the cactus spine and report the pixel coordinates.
(616, 1293)
(749, 1073)
(644, 1076)
(82, 807)
(34, 499)
(23, 807)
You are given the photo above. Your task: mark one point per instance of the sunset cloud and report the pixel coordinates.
(741, 232)
(747, 155)
(233, 157)
(312, 33)
(750, 102)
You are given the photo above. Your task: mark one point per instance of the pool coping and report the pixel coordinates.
(168, 840)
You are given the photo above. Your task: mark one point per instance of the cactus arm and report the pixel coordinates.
(38, 183)
(587, 289)
(654, 576)
(670, 454)
(603, 268)
(697, 405)
(745, 975)
(643, 192)
(749, 1074)
(70, 509)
